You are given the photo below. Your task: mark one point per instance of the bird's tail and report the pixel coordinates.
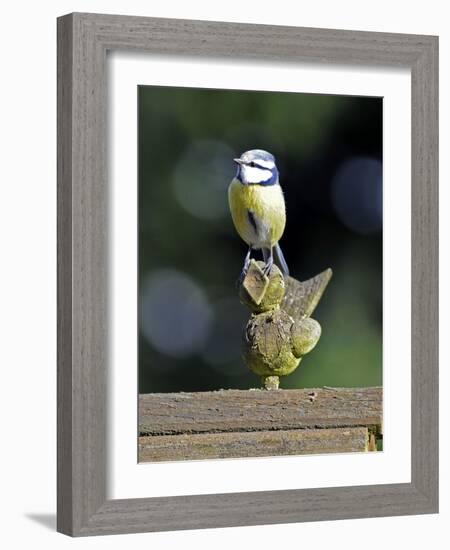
(280, 259)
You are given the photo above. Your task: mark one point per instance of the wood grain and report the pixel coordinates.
(258, 410)
(65, 451)
(254, 444)
(238, 423)
(302, 298)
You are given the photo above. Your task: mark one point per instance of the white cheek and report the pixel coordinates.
(266, 163)
(256, 175)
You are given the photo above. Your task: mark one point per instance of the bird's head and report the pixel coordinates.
(257, 167)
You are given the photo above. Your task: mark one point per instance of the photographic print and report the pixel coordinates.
(260, 273)
(282, 241)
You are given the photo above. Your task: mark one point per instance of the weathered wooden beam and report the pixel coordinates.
(255, 444)
(259, 410)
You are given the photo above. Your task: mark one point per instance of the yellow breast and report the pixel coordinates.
(266, 205)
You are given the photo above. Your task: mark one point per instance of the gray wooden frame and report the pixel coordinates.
(83, 40)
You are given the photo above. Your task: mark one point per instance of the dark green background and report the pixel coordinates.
(328, 151)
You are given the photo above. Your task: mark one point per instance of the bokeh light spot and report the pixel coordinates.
(223, 349)
(175, 313)
(201, 179)
(357, 194)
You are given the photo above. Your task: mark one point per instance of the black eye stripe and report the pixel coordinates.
(253, 164)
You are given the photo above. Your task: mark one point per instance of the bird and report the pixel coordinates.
(257, 207)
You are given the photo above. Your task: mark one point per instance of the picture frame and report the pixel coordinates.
(83, 40)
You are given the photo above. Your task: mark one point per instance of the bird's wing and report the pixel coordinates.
(260, 228)
(280, 259)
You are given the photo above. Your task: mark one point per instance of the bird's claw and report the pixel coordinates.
(267, 268)
(243, 273)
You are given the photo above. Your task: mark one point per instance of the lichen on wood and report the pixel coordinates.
(259, 292)
(301, 298)
(305, 334)
(268, 347)
(280, 331)
(270, 382)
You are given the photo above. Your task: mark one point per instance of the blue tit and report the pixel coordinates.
(257, 206)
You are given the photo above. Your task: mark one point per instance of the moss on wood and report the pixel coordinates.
(279, 332)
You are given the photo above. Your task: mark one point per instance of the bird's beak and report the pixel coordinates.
(238, 161)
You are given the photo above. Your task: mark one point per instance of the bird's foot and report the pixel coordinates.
(243, 274)
(268, 267)
(245, 268)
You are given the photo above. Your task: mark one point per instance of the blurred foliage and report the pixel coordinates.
(187, 139)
